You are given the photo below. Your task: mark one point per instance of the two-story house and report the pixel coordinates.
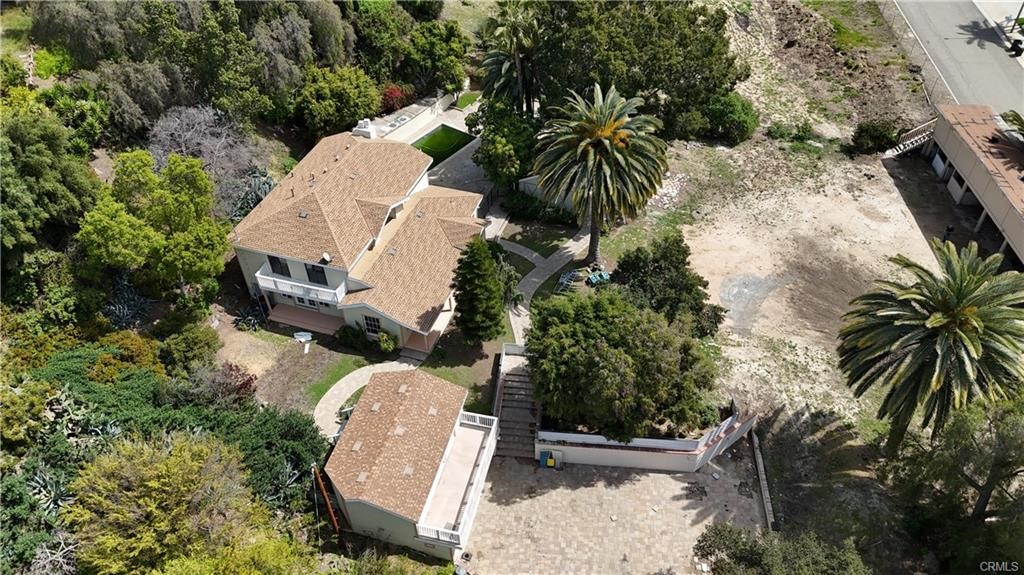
(410, 463)
(355, 234)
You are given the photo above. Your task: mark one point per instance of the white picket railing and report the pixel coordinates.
(477, 419)
(445, 535)
(267, 280)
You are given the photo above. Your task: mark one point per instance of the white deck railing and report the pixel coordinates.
(267, 280)
(477, 419)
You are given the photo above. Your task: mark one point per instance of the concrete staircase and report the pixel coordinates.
(516, 410)
(913, 139)
(414, 355)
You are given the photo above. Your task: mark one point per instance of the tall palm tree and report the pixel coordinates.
(603, 156)
(938, 343)
(508, 70)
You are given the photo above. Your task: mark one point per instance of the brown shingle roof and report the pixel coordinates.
(335, 200)
(391, 447)
(412, 271)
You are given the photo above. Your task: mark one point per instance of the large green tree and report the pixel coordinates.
(436, 52)
(601, 362)
(674, 55)
(939, 342)
(479, 302)
(735, 551)
(507, 137)
(333, 101)
(513, 35)
(159, 222)
(46, 186)
(659, 276)
(964, 487)
(603, 156)
(147, 502)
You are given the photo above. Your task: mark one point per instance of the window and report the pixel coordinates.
(940, 155)
(300, 300)
(316, 274)
(279, 266)
(959, 179)
(372, 324)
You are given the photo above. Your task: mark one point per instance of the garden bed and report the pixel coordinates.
(442, 142)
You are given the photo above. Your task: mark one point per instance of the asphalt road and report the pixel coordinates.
(968, 53)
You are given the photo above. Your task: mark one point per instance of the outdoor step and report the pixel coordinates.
(517, 385)
(413, 354)
(513, 403)
(513, 431)
(510, 440)
(518, 415)
(528, 453)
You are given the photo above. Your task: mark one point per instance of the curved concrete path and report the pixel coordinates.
(519, 316)
(326, 412)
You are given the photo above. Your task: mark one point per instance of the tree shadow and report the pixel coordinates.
(822, 478)
(979, 33)
(515, 479)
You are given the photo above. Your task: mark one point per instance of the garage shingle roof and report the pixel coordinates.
(391, 447)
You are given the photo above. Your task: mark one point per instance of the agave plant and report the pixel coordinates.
(256, 184)
(51, 492)
(127, 307)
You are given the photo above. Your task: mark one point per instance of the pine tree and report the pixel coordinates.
(478, 294)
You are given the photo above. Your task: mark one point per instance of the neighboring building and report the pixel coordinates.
(410, 464)
(982, 163)
(355, 234)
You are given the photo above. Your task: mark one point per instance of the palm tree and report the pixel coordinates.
(603, 156)
(507, 64)
(938, 343)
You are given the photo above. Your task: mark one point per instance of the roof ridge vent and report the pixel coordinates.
(432, 410)
(392, 251)
(376, 406)
(399, 430)
(357, 445)
(408, 469)
(403, 388)
(361, 478)
(303, 214)
(354, 175)
(419, 213)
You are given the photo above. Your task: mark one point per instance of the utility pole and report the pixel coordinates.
(1013, 24)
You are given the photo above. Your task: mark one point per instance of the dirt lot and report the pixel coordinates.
(787, 234)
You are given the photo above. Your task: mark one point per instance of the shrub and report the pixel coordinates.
(194, 347)
(229, 383)
(874, 136)
(12, 73)
(387, 342)
(733, 118)
(779, 131)
(353, 338)
(479, 308)
(135, 349)
(53, 61)
(523, 206)
(21, 408)
(393, 97)
(803, 132)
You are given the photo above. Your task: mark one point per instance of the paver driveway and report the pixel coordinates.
(603, 520)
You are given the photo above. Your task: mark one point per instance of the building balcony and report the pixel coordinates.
(270, 281)
(451, 506)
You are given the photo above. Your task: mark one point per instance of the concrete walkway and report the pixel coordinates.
(326, 412)
(519, 316)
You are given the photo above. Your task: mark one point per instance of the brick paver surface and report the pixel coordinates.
(603, 520)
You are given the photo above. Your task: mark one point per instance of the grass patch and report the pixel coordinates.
(442, 142)
(466, 100)
(470, 14)
(651, 225)
(15, 24)
(545, 239)
(345, 365)
(847, 39)
(270, 337)
(522, 265)
(468, 366)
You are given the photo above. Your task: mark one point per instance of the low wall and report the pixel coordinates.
(406, 131)
(528, 185)
(656, 454)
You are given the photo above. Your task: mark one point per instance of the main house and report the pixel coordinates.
(356, 235)
(410, 464)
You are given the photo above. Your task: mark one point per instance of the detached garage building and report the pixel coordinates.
(981, 160)
(410, 464)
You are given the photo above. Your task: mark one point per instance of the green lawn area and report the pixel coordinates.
(345, 365)
(442, 142)
(466, 100)
(470, 14)
(547, 289)
(468, 366)
(15, 22)
(522, 265)
(353, 399)
(545, 239)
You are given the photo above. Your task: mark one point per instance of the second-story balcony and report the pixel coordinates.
(270, 281)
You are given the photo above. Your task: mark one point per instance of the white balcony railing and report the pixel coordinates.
(467, 512)
(275, 283)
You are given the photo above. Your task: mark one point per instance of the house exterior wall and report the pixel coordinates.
(984, 187)
(354, 317)
(375, 522)
(251, 261)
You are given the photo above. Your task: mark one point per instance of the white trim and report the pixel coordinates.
(440, 468)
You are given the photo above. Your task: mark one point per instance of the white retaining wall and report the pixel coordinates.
(641, 453)
(528, 185)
